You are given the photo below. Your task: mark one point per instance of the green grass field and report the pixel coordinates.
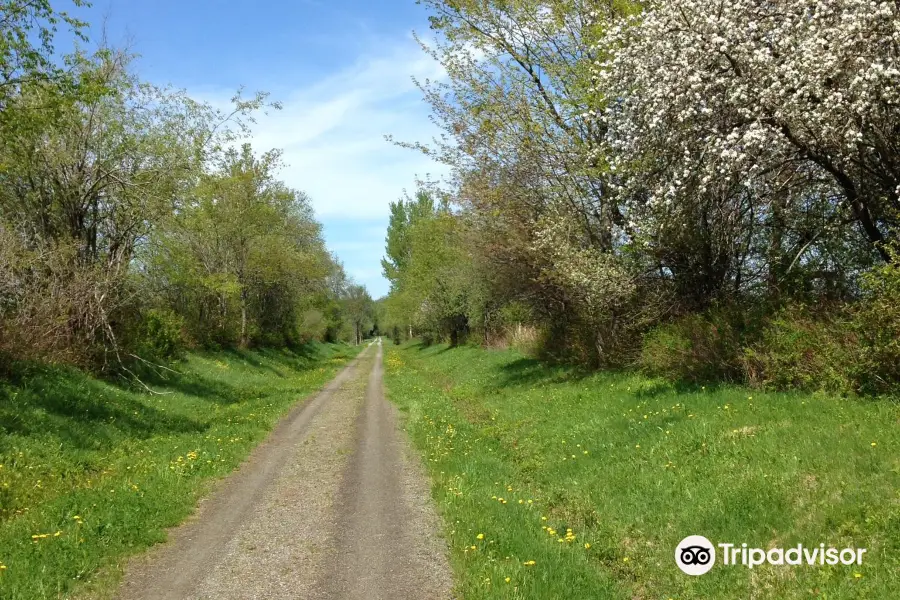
(557, 485)
(91, 472)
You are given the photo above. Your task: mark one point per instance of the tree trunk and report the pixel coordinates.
(244, 340)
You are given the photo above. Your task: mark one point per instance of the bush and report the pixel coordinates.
(878, 327)
(313, 325)
(160, 335)
(800, 349)
(695, 348)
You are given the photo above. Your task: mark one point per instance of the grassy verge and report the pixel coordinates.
(554, 485)
(91, 472)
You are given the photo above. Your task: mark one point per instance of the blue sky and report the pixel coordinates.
(343, 71)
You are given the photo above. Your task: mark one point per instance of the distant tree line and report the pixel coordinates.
(702, 189)
(134, 221)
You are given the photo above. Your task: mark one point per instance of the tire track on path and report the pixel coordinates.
(333, 505)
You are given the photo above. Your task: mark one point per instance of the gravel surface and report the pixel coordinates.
(385, 543)
(333, 505)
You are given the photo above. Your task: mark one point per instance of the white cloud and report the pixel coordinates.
(332, 132)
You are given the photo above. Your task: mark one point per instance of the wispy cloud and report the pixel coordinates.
(332, 131)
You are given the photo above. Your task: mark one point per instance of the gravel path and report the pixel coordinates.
(332, 506)
(383, 541)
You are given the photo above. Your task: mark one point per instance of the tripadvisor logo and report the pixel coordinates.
(696, 555)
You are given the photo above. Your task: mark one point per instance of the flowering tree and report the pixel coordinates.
(758, 110)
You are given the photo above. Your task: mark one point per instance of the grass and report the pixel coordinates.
(91, 471)
(555, 484)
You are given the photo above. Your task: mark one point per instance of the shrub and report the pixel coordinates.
(878, 327)
(695, 348)
(53, 308)
(313, 325)
(802, 349)
(160, 334)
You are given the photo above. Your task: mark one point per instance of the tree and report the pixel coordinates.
(360, 309)
(27, 29)
(243, 240)
(87, 172)
(712, 99)
(404, 214)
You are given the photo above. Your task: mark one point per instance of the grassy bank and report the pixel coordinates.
(554, 485)
(91, 472)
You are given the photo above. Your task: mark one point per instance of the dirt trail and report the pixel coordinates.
(384, 550)
(332, 506)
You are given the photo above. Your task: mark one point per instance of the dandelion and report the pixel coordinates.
(587, 546)
(480, 536)
(506, 580)
(857, 575)
(874, 444)
(529, 563)
(626, 559)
